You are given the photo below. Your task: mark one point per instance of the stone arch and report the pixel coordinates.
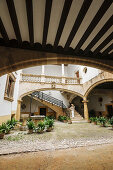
(44, 89)
(96, 84)
(25, 58)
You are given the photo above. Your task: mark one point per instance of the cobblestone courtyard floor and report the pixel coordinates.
(64, 136)
(98, 157)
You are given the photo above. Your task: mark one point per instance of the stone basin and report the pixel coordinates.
(37, 118)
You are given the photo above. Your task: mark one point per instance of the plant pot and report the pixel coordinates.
(103, 125)
(30, 131)
(40, 132)
(69, 122)
(95, 123)
(49, 129)
(2, 135)
(65, 121)
(89, 121)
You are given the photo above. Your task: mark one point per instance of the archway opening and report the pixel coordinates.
(101, 100)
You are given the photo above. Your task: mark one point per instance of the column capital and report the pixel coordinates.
(19, 101)
(85, 101)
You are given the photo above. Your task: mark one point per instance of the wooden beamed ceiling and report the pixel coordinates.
(72, 35)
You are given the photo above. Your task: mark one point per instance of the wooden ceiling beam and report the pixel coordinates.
(107, 50)
(103, 30)
(13, 16)
(103, 44)
(85, 6)
(48, 7)
(3, 31)
(65, 12)
(29, 8)
(102, 10)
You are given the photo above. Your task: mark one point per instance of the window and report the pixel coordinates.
(9, 89)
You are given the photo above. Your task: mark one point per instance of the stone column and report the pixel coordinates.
(63, 70)
(43, 74)
(63, 74)
(43, 70)
(86, 114)
(18, 110)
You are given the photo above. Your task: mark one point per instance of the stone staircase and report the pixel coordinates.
(78, 118)
(55, 104)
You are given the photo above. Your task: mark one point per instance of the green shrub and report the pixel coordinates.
(6, 127)
(111, 121)
(102, 120)
(91, 119)
(49, 122)
(40, 126)
(11, 123)
(62, 118)
(30, 125)
(2, 130)
(51, 117)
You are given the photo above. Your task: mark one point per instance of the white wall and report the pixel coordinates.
(95, 105)
(53, 70)
(33, 70)
(6, 107)
(34, 105)
(72, 69)
(91, 73)
(16, 90)
(58, 95)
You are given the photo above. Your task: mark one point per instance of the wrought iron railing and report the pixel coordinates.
(42, 96)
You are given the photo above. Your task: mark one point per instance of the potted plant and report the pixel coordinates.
(95, 120)
(60, 118)
(64, 119)
(90, 120)
(12, 123)
(69, 120)
(40, 127)
(2, 132)
(102, 121)
(6, 128)
(111, 121)
(49, 124)
(31, 126)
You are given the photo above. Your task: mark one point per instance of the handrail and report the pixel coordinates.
(48, 98)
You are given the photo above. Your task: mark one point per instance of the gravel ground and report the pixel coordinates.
(63, 136)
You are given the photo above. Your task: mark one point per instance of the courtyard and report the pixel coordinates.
(63, 136)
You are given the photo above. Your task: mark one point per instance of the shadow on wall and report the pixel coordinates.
(79, 106)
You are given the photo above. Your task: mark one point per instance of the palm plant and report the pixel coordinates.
(6, 127)
(49, 124)
(95, 120)
(2, 132)
(111, 121)
(40, 127)
(102, 121)
(31, 126)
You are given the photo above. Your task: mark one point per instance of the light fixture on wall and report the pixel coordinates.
(85, 70)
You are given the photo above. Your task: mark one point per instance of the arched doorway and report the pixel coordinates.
(101, 100)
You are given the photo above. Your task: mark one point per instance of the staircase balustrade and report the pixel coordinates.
(48, 98)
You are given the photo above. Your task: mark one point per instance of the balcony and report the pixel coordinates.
(49, 79)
